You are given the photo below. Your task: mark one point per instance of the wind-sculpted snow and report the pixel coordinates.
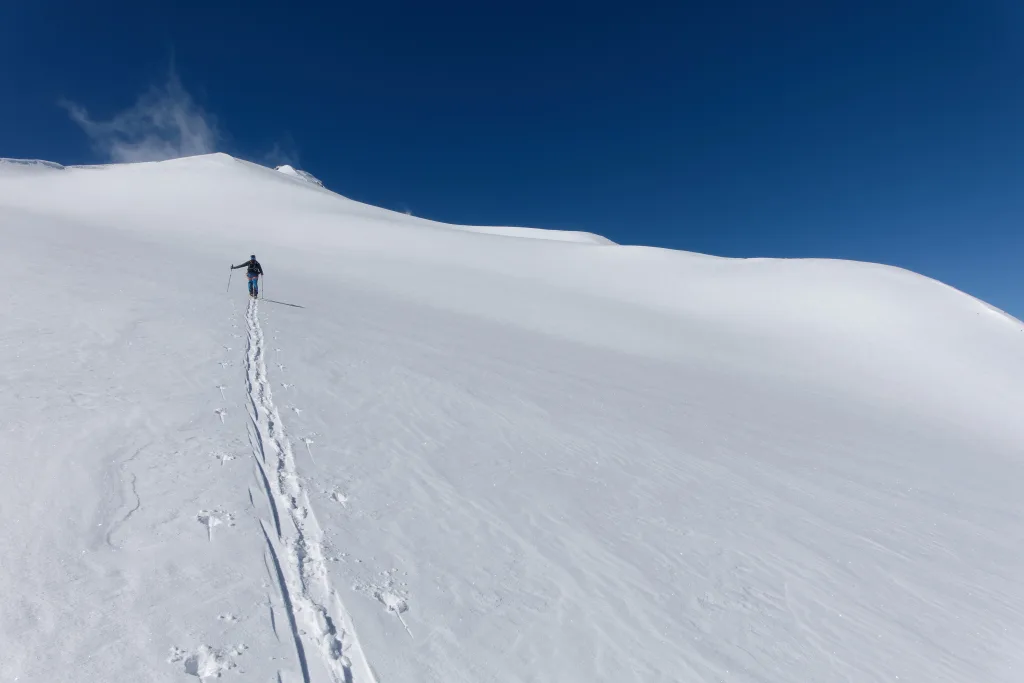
(493, 458)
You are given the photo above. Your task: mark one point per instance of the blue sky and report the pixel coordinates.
(881, 131)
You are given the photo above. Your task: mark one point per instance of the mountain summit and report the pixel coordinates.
(303, 175)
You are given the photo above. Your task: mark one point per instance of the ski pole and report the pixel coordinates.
(232, 270)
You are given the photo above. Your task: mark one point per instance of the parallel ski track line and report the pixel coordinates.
(320, 623)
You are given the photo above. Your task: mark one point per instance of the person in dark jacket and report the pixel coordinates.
(253, 271)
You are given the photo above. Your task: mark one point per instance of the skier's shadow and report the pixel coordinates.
(282, 303)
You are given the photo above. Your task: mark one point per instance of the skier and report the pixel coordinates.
(253, 271)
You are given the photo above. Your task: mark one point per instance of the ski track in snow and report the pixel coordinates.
(319, 621)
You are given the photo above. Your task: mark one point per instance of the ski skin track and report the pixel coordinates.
(320, 623)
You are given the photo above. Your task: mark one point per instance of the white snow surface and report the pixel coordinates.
(301, 175)
(483, 457)
(27, 165)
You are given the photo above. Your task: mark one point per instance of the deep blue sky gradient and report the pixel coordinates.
(881, 131)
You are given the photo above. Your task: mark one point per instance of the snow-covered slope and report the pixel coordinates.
(483, 457)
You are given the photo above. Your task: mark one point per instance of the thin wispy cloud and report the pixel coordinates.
(165, 123)
(283, 152)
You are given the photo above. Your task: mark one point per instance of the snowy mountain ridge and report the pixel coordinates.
(6, 163)
(449, 453)
(301, 175)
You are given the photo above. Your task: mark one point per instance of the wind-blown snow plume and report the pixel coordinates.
(283, 153)
(165, 123)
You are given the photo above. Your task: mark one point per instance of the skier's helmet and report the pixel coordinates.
(252, 256)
